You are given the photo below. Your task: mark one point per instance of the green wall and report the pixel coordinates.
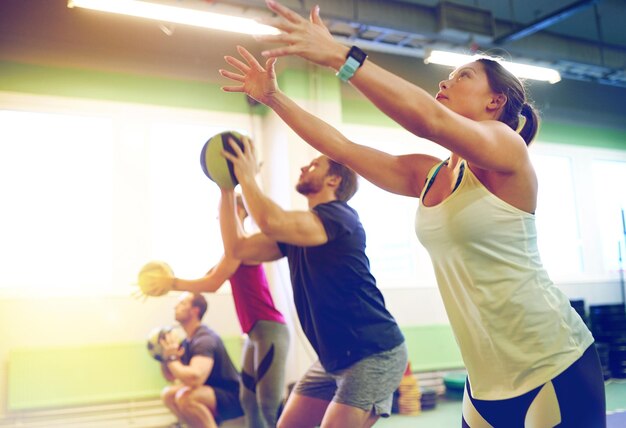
(582, 135)
(120, 87)
(320, 84)
(364, 113)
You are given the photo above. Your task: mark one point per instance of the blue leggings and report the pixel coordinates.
(573, 399)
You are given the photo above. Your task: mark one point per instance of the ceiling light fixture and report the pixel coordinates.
(523, 71)
(179, 15)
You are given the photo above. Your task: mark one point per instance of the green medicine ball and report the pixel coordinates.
(214, 165)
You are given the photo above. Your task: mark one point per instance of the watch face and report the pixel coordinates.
(357, 54)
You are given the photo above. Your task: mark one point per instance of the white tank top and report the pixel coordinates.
(515, 328)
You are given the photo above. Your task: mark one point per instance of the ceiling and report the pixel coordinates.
(584, 39)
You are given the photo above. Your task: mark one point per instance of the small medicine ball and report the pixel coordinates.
(216, 166)
(155, 278)
(154, 346)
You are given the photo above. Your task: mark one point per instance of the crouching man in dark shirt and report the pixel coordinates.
(206, 383)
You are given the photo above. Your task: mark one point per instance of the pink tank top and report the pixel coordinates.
(253, 301)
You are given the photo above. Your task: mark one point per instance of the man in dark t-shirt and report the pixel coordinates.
(207, 383)
(361, 350)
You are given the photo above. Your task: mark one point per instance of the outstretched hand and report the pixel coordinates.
(257, 81)
(309, 39)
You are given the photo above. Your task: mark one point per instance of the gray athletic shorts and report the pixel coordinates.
(368, 384)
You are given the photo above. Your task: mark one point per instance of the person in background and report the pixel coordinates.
(206, 383)
(267, 337)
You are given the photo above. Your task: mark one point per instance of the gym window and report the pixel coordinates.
(56, 172)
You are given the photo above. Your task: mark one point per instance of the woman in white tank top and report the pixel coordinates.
(524, 346)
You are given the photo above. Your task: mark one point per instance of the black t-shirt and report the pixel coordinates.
(341, 310)
(206, 342)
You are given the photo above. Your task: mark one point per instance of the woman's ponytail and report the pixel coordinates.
(502, 81)
(531, 123)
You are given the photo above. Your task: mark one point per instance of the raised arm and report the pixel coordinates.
(487, 144)
(236, 244)
(302, 228)
(403, 175)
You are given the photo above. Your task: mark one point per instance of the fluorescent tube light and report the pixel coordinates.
(524, 71)
(179, 15)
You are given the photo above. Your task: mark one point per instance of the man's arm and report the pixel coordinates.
(167, 374)
(302, 228)
(193, 375)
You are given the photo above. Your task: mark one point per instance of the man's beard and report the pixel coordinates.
(308, 187)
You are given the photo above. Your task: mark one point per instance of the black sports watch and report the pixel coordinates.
(355, 58)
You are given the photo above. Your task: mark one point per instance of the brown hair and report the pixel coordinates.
(349, 182)
(504, 82)
(199, 302)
